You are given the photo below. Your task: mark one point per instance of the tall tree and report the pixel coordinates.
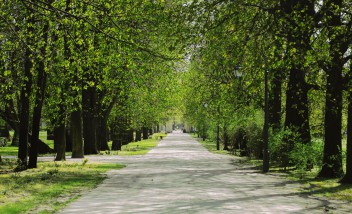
(338, 34)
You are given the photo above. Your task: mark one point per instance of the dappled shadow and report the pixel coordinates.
(180, 176)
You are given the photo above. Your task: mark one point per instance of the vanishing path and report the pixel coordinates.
(180, 176)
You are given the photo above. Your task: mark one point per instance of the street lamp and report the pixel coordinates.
(218, 130)
(205, 106)
(237, 72)
(266, 126)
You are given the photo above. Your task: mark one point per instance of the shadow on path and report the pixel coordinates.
(180, 176)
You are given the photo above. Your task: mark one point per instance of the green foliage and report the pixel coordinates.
(279, 149)
(306, 156)
(254, 133)
(302, 156)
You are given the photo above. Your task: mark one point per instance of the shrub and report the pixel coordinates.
(240, 141)
(305, 156)
(280, 145)
(254, 134)
(286, 150)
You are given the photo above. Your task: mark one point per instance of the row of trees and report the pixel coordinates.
(83, 66)
(305, 48)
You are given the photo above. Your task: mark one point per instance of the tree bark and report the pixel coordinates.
(15, 138)
(297, 35)
(226, 139)
(102, 134)
(339, 44)
(89, 121)
(297, 113)
(130, 136)
(68, 138)
(145, 132)
(275, 101)
(60, 141)
(138, 135)
(332, 161)
(25, 101)
(39, 99)
(348, 176)
(76, 134)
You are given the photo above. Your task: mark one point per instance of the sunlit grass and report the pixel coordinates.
(330, 188)
(9, 150)
(49, 187)
(135, 148)
(210, 145)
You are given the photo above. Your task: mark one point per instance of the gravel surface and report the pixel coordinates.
(180, 176)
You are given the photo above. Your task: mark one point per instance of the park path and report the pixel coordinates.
(180, 176)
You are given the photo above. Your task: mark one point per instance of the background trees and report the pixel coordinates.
(125, 66)
(304, 46)
(81, 61)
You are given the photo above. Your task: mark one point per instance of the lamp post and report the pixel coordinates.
(218, 130)
(205, 106)
(266, 126)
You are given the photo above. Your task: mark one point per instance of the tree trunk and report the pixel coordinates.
(332, 161)
(25, 101)
(89, 121)
(15, 138)
(130, 136)
(339, 43)
(297, 114)
(102, 134)
(76, 134)
(39, 99)
(297, 36)
(275, 101)
(116, 144)
(226, 139)
(60, 142)
(348, 176)
(138, 135)
(145, 133)
(68, 138)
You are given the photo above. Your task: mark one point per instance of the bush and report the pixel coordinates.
(240, 141)
(305, 156)
(254, 133)
(280, 148)
(286, 150)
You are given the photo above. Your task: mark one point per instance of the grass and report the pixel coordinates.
(330, 188)
(137, 148)
(9, 150)
(321, 187)
(49, 187)
(210, 145)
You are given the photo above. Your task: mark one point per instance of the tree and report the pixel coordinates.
(338, 34)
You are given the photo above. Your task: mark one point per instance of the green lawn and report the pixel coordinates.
(138, 148)
(210, 145)
(134, 148)
(49, 187)
(13, 150)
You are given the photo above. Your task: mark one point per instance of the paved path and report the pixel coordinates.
(180, 176)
